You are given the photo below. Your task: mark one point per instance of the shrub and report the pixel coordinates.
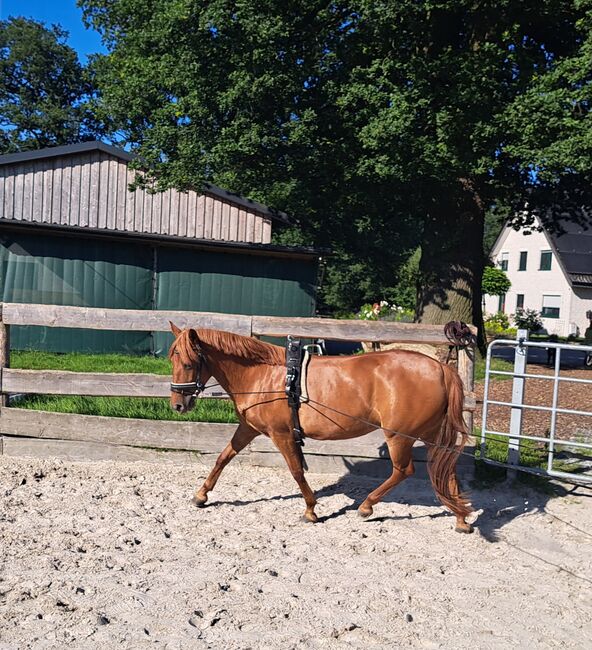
(499, 321)
(528, 319)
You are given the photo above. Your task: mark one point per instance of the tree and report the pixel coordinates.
(495, 281)
(380, 124)
(44, 90)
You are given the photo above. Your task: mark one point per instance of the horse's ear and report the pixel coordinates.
(194, 338)
(174, 329)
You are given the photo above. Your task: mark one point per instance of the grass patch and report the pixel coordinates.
(76, 362)
(145, 408)
(496, 364)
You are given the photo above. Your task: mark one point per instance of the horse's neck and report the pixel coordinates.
(239, 377)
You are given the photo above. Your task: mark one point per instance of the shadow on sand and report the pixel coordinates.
(497, 498)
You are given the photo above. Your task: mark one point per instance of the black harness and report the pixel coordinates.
(294, 354)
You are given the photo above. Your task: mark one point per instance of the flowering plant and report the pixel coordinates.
(383, 311)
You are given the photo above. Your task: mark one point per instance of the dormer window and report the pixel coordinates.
(546, 257)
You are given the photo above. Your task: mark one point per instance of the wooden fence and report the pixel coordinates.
(40, 433)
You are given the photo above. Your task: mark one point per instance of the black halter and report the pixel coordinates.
(193, 388)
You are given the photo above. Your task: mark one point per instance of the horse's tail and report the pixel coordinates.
(445, 450)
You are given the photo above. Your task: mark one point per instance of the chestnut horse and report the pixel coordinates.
(409, 395)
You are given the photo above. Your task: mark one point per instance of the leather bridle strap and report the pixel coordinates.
(192, 388)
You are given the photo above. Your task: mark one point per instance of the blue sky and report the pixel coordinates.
(63, 12)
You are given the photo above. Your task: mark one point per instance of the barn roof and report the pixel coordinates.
(96, 145)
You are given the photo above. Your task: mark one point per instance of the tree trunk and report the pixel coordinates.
(451, 265)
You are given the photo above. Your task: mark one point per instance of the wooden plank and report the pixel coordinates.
(183, 207)
(200, 216)
(250, 227)
(242, 225)
(349, 330)
(66, 193)
(19, 193)
(141, 320)
(466, 371)
(209, 217)
(9, 196)
(62, 382)
(204, 437)
(85, 192)
(56, 204)
(371, 445)
(156, 218)
(225, 225)
(47, 195)
(258, 235)
(126, 202)
(4, 355)
(33, 201)
(94, 191)
(174, 213)
(165, 212)
(104, 191)
(233, 223)
(216, 219)
(74, 450)
(266, 236)
(28, 194)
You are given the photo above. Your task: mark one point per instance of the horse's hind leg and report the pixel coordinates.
(241, 438)
(293, 456)
(400, 453)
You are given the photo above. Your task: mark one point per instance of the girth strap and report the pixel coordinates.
(293, 387)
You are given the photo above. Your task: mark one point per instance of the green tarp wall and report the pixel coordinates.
(95, 272)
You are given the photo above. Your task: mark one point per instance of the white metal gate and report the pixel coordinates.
(515, 436)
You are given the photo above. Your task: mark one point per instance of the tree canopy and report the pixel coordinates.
(381, 125)
(44, 89)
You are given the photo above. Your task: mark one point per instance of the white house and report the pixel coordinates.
(549, 273)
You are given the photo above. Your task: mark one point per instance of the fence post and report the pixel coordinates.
(466, 371)
(4, 355)
(520, 358)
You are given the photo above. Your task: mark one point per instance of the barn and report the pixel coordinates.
(72, 233)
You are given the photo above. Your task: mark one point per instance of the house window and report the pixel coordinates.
(545, 261)
(504, 262)
(522, 263)
(501, 305)
(551, 305)
(519, 301)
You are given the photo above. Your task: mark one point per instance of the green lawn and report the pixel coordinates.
(496, 364)
(151, 408)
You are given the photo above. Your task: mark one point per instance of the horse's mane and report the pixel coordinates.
(234, 345)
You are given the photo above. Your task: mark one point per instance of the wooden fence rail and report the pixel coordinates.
(145, 320)
(24, 431)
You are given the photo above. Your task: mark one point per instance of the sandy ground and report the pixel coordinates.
(111, 554)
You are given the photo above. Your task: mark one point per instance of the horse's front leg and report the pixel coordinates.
(292, 453)
(241, 438)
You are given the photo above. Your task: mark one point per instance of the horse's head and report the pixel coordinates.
(190, 370)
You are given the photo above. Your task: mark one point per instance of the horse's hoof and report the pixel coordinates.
(308, 519)
(365, 513)
(200, 502)
(467, 529)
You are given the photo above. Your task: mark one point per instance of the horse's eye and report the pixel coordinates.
(188, 366)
